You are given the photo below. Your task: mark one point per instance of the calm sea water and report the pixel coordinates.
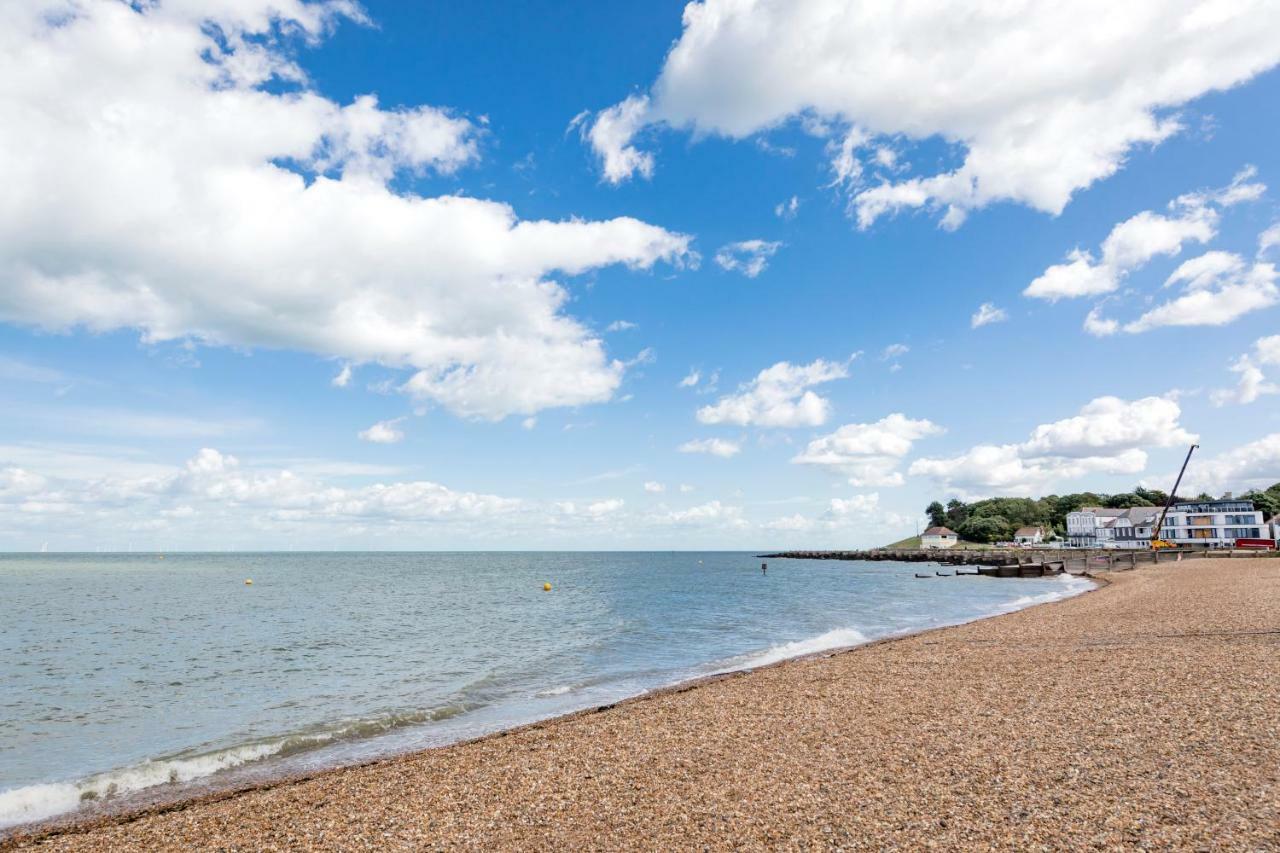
(128, 675)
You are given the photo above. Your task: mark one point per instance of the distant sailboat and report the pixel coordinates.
(44, 549)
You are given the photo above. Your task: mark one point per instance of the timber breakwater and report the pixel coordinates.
(1006, 562)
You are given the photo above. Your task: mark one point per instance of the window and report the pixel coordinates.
(1241, 519)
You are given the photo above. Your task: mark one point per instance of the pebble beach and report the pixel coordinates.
(1143, 714)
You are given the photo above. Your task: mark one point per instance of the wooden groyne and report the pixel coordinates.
(1007, 562)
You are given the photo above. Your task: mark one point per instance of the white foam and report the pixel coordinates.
(1071, 585)
(36, 802)
(555, 691)
(837, 639)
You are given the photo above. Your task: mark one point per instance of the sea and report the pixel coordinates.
(128, 679)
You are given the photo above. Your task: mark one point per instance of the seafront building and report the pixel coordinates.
(1029, 535)
(939, 537)
(1214, 524)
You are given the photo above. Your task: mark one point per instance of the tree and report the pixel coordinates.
(1268, 502)
(957, 512)
(989, 528)
(937, 514)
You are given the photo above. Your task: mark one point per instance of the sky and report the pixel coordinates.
(741, 274)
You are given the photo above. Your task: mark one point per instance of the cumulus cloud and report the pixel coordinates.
(1218, 289)
(1269, 239)
(1092, 84)
(779, 396)
(213, 486)
(611, 133)
(1254, 465)
(722, 447)
(620, 326)
(343, 379)
(893, 351)
(384, 432)
(843, 516)
(1109, 435)
(749, 257)
(158, 177)
(868, 454)
(1253, 382)
(987, 314)
(1192, 218)
(654, 487)
(787, 209)
(710, 512)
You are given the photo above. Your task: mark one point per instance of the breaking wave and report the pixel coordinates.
(838, 639)
(39, 802)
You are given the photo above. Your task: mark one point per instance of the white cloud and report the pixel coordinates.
(685, 488)
(711, 512)
(779, 396)
(1108, 425)
(620, 326)
(1130, 246)
(213, 487)
(146, 155)
(384, 432)
(343, 379)
(610, 134)
(749, 257)
(1219, 289)
(1269, 239)
(1253, 382)
(654, 487)
(787, 209)
(893, 351)
(1099, 326)
(987, 314)
(1255, 465)
(721, 447)
(691, 379)
(843, 515)
(1094, 81)
(868, 454)
(529, 422)
(593, 510)
(1109, 435)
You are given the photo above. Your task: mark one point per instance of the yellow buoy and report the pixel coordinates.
(248, 581)
(546, 587)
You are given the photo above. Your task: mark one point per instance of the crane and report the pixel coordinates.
(1156, 541)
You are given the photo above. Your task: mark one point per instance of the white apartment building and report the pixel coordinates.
(1209, 523)
(1213, 523)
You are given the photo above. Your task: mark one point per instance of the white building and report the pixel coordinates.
(938, 537)
(1090, 526)
(1213, 523)
(1029, 535)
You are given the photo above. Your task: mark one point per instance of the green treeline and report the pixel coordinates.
(996, 519)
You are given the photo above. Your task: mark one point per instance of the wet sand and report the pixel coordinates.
(1146, 713)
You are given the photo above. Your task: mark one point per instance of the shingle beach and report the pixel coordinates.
(1143, 714)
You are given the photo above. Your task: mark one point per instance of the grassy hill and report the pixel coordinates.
(914, 542)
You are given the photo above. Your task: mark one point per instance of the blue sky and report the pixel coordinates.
(203, 232)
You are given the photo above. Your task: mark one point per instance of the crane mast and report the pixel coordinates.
(1156, 541)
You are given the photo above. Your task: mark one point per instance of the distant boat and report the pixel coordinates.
(44, 549)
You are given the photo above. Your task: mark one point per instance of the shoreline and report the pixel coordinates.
(141, 803)
(470, 781)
